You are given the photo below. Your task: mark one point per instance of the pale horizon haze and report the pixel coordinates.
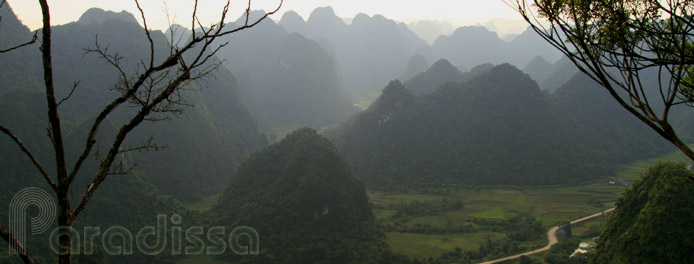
(458, 12)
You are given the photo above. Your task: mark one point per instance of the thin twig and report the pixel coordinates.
(31, 156)
(74, 87)
(14, 243)
(32, 41)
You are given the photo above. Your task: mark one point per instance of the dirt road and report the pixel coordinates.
(551, 237)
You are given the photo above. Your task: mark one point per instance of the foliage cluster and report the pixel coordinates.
(652, 222)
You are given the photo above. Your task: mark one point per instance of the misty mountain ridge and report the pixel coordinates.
(430, 30)
(372, 50)
(287, 81)
(441, 71)
(97, 15)
(473, 45)
(550, 76)
(369, 51)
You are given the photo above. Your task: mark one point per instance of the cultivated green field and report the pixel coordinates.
(552, 205)
(424, 246)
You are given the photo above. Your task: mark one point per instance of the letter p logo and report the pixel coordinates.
(19, 206)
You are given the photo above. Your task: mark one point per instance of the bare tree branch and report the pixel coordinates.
(32, 41)
(183, 76)
(31, 156)
(149, 36)
(74, 87)
(7, 236)
(154, 90)
(148, 144)
(104, 169)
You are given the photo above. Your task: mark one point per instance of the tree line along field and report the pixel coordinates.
(426, 222)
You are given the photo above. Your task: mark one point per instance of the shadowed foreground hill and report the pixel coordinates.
(301, 197)
(653, 220)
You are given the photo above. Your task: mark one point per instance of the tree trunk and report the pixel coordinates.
(671, 136)
(65, 223)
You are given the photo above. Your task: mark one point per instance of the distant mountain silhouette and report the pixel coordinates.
(470, 46)
(293, 22)
(474, 45)
(440, 72)
(529, 44)
(430, 30)
(368, 52)
(288, 81)
(178, 33)
(417, 65)
(537, 68)
(98, 16)
(505, 26)
(558, 74)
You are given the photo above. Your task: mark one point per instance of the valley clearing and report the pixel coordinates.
(551, 237)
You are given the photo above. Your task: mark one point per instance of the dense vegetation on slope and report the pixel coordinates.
(652, 222)
(497, 128)
(301, 197)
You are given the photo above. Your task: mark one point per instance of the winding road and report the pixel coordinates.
(551, 237)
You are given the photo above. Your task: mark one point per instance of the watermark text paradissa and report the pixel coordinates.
(167, 234)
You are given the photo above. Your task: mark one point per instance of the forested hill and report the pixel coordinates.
(301, 196)
(652, 222)
(497, 128)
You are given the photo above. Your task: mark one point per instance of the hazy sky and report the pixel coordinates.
(457, 12)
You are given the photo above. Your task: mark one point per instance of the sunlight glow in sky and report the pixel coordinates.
(457, 12)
